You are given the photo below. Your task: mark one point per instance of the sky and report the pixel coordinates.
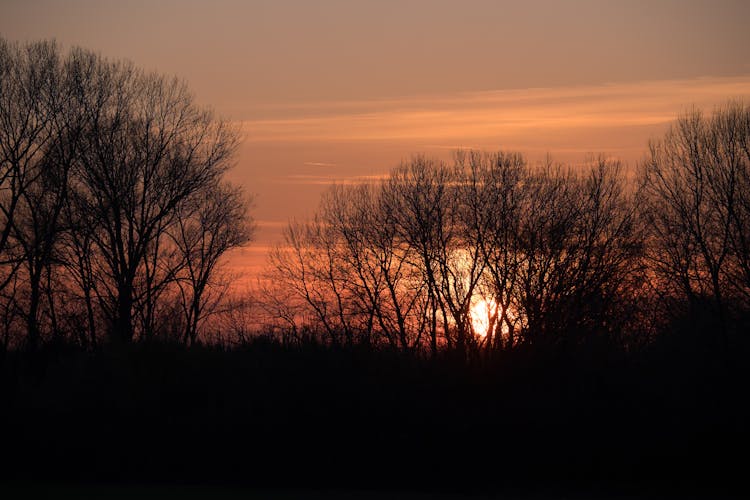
(342, 91)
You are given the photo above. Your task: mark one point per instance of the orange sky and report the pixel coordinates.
(289, 161)
(342, 90)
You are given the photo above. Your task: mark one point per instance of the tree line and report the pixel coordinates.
(114, 210)
(115, 215)
(555, 255)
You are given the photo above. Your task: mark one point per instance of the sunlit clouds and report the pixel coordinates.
(498, 118)
(290, 159)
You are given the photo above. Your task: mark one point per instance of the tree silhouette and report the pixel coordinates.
(554, 254)
(695, 185)
(207, 227)
(98, 163)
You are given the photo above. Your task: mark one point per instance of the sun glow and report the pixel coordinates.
(483, 315)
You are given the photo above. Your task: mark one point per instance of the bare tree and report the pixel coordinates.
(25, 131)
(40, 212)
(99, 162)
(42, 129)
(28, 108)
(208, 225)
(309, 263)
(608, 248)
(494, 192)
(695, 184)
(148, 149)
(386, 286)
(422, 196)
(551, 252)
(577, 245)
(281, 308)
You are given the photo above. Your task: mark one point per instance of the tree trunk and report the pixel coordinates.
(122, 331)
(32, 320)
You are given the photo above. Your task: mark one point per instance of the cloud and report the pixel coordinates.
(268, 223)
(327, 180)
(509, 114)
(319, 164)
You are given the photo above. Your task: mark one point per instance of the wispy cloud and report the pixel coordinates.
(291, 159)
(319, 164)
(327, 180)
(268, 223)
(478, 116)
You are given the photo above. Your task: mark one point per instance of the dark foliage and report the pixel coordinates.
(670, 418)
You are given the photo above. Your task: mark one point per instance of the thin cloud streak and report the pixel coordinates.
(319, 164)
(289, 160)
(507, 114)
(327, 180)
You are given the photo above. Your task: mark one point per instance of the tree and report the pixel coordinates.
(551, 251)
(149, 148)
(25, 131)
(695, 189)
(577, 245)
(494, 191)
(424, 198)
(310, 264)
(100, 163)
(42, 124)
(386, 285)
(210, 223)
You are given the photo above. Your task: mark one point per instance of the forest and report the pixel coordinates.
(482, 324)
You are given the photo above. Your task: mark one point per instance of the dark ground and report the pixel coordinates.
(267, 421)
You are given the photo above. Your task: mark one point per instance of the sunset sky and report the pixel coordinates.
(343, 90)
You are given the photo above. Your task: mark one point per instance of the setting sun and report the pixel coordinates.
(483, 315)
